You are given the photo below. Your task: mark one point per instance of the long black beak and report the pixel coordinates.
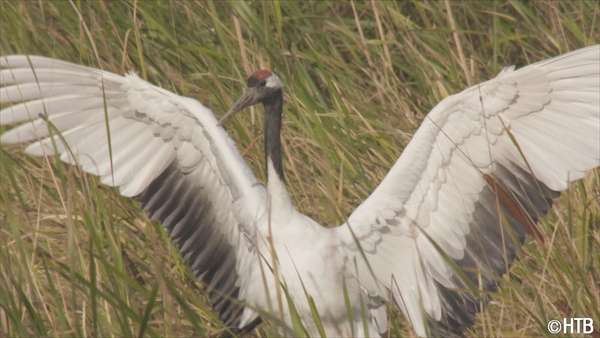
(249, 98)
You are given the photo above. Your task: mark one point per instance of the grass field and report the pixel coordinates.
(79, 260)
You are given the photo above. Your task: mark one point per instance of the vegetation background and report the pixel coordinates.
(78, 260)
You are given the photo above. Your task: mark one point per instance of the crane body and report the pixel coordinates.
(308, 261)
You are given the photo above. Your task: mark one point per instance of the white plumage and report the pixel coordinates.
(447, 203)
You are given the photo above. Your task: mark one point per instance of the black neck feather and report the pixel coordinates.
(273, 114)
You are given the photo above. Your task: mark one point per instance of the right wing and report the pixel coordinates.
(165, 151)
(483, 167)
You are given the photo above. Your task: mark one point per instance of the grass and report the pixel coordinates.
(79, 260)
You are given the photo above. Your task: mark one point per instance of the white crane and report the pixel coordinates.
(446, 220)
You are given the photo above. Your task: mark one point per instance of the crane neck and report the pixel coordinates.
(279, 200)
(273, 114)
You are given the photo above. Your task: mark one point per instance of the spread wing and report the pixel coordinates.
(165, 151)
(483, 167)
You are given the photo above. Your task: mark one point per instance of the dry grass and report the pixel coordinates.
(79, 260)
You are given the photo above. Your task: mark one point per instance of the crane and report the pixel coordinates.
(445, 222)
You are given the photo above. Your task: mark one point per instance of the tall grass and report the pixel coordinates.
(79, 260)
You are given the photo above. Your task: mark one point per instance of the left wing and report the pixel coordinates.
(483, 167)
(164, 150)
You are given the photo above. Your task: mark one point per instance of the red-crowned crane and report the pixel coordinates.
(449, 216)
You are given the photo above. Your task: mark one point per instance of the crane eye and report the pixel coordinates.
(263, 83)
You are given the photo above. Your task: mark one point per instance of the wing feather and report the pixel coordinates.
(165, 151)
(483, 167)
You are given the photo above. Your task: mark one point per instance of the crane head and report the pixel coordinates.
(262, 86)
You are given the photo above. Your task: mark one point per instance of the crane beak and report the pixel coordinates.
(249, 98)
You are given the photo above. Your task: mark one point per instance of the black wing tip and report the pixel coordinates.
(458, 312)
(443, 330)
(181, 205)
(492, 244)
(232, 332)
